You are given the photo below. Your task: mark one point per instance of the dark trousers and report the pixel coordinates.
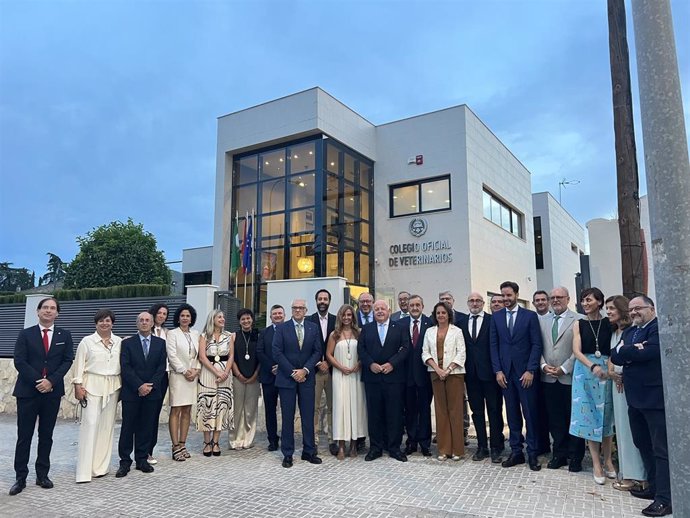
(487, 394)
(648, 427)
(303, 395)
(270, 395)
(139, 420)
(45, 409)
(154, 436)
(418, 415)
(543, 430)
(522, 401)
(558, 399)
(385, 405)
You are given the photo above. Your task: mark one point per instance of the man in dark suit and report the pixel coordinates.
(42, 356)
(142, 362)
(404, 305)
(326, 323)
(515, 353)
(418, 393)
(383, 347)
(640, 356)
(480, 380)
(364, 309)
(267, 375)
(296, 349)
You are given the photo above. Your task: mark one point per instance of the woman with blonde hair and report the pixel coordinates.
(214, 411)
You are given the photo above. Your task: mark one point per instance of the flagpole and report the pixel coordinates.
(244, 266)
(253, 262)
(236, 236)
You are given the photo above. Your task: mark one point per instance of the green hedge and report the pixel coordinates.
(113, 292)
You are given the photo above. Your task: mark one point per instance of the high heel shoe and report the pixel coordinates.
(215, 453)
(599, 480)
(611, 474)
(208, 453)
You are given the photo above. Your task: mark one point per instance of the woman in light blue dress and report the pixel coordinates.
(631, 472)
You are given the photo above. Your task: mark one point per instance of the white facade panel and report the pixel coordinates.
(197, 259)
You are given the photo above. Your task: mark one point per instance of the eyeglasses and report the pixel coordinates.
(299, 308)
(637, 309)
(475, 301)
(557, 297)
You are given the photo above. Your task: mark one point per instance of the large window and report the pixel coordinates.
(502, 214)
(428, 195)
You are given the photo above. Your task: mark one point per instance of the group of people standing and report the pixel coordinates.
(380, 372)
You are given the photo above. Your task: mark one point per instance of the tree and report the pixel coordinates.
(56, 270)
(15, 279)
(116, 254)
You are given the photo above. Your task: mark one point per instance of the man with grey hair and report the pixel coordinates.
(556, 368)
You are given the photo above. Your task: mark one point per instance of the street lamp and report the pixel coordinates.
(562, 184)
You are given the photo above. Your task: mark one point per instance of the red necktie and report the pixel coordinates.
(46, 346)
(415, 333)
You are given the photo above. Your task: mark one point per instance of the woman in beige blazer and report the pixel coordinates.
(182, 346)
(444, 354)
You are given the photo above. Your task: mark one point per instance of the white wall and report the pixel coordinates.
(197, 259)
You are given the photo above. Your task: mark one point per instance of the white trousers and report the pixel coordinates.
(246, 401)
(96, 437)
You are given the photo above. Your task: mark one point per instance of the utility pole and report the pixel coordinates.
(626, 159)
(668, 187)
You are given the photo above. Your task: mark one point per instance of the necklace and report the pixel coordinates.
(188, 336)
(348, 340)
(216, 358)
(246, 345)
(597, 353)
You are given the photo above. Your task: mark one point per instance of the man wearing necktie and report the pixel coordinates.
(516, 349)
(143, 359)
(296, 349)
(364, 311)
(418, 392)
(383, 347)
(267, 375)
(42, 356)
(557, 364)
(482, 389)
(404, 305)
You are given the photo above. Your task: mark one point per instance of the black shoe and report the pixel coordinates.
(398, 455)
(645, 494)
(122, 471)
(287, 462)
(410, 449)
(575, 466)
(513, 460)
(657, 509)
(372, 455)
(272, 446)
(361, 444)
(434, 440)
(557, 462)
(480, 454)
(312, 459)
(145, 467)
(496, 456)
(18, 486)
(426, 452)
(534, 463)
(44, 482)
(333, 449)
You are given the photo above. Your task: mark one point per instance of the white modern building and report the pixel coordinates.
(559, 243)
(423, 204)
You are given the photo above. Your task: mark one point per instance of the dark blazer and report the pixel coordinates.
(417, 373)
(641, 367)
(521, 351)
(289, 356)
(394, 351)
(458, 316)
(329, 329)
(478, 352)
(398, 316)
(30, 359)
(137, 370)
(264, 352)
(359, 318)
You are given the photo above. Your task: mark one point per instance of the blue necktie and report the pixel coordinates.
(145, 343)
(510, 322)
(382, 333)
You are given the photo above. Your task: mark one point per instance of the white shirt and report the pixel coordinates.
(324, 326)
(50, 329)
(514, 310)
(419, 324)
(480, 320)
(97, 367)
(385, 328)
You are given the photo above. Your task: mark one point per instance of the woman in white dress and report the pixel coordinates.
(182, 346)
(349, 405)
(630, 466)
(97, 386)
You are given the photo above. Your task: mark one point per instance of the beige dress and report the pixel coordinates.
(214, 409)
(183, 350)
(349, 405)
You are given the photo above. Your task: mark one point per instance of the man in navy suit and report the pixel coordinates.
(640, 356)
(323, 382)
(418, 392)
(383, 347)
(142, 362)
(296, 349)
(42, 356)
(516, 349)
(480, 380)
(267, 375)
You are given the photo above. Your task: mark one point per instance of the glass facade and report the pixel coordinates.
(313, 202)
